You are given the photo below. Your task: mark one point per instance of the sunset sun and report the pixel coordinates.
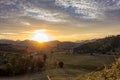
(40, 36)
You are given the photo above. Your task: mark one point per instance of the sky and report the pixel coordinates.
(64, 20)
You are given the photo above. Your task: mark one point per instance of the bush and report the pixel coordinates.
(18, 64)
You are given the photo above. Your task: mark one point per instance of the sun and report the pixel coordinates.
(41, 36)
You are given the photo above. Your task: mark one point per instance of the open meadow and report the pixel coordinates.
(74, 65)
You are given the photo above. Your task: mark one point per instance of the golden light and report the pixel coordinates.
(41, 36)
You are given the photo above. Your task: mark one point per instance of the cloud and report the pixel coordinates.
(43, 15)
(15, 9)
(26, 23)
(7, 33)
(68, 36)
(65, 16)
(1, 36)
(86, 9)
(89, 9)
(28, 32)
(58, 10)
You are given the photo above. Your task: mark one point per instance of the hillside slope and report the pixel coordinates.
(111, 72)
(108, 45)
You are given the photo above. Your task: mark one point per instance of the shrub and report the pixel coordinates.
(18, 64)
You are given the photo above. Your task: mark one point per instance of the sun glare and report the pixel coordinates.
(41, 36)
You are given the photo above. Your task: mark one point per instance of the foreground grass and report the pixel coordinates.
(75, 65)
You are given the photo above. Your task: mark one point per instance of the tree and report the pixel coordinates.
(61, 64)
(44, 57)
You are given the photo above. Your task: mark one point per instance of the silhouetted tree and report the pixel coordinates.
(44, 57)
(61, 64)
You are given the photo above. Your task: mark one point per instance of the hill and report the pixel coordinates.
(34, 46)
(108, 45)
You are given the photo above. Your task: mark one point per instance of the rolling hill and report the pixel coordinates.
(108, 45)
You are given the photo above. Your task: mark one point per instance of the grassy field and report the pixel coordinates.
(75, 65)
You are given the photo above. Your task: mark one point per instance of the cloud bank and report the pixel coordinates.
(69, 17)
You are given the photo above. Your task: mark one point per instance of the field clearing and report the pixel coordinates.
(74, 65)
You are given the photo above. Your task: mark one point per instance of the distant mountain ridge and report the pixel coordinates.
(6, 41)
(36, 46)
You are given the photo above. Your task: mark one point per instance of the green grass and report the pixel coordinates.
(75, 65)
